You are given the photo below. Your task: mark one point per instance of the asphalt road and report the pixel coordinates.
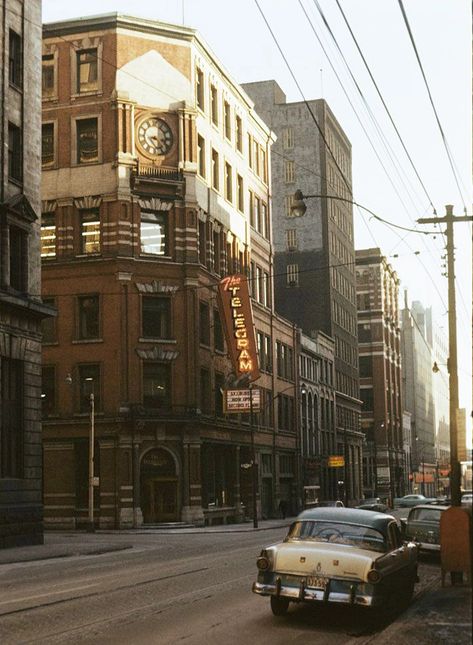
(191, 589)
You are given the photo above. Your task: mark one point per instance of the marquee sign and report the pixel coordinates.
(237, 317)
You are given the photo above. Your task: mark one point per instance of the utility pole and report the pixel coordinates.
(450, 220)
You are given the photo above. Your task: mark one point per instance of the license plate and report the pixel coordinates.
(317, 582)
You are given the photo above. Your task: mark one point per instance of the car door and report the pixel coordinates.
(395, 563)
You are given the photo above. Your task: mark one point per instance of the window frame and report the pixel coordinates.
(15, 153)
(153, 220)
(199, 88)
(49, 61)
(83, 402)
(81, 334)
(164, 315)
(76, 147)
(45, 165)
(83, 213)
(43, 227)
(15, 60)
(166, 401)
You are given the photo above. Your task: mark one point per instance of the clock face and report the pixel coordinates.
(155, 136)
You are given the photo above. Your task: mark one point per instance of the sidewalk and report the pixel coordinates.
(438, 616)
(64, 544)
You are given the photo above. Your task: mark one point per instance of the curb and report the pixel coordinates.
(193, 531)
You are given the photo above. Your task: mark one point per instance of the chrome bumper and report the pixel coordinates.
(304, 594)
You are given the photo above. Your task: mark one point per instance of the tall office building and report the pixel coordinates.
(418, 396)
(155, 186)
(21, 310)
(379, 336)
(314, 254)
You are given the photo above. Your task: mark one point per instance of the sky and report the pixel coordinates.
(384, 179)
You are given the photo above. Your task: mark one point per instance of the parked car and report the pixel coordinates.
(467, 499)
(423, 526)
(412, 500)
(339, 555)
(372, 504)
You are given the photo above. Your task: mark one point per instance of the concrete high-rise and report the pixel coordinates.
(314, 261)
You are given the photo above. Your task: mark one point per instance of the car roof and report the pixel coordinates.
(371, 519)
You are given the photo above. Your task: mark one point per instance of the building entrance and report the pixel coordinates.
(159, 487)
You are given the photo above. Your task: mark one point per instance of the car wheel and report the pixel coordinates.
(279, 606)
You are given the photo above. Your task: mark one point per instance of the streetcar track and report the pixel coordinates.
(100, 592)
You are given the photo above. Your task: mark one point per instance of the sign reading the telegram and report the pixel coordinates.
(235, 308)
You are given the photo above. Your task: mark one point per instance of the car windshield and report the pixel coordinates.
(425, 515)
(338, 533)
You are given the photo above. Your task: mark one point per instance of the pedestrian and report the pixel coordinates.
(283, 508)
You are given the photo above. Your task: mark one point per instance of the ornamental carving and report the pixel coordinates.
(157, 354)
(157, 286)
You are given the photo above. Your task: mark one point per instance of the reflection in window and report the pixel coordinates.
(156, 385)
(87, 75)
(48, 235)
(154, 232)
(90, 230)
(87, 140)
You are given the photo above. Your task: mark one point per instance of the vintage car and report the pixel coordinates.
(373, 504)
(412, 500)
(423, 526)
(338, 555)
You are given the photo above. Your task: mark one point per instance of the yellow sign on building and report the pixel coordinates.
(336, 461)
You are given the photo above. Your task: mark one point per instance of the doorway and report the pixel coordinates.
(159, 487)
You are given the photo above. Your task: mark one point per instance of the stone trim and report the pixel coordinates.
(157, 286)
(87, 202)
(157, 354)
(154, 204)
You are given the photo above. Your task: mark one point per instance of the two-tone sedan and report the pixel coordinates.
(339, 555)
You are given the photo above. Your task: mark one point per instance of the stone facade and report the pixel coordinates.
(20, 304)
(155, 186)
(314, 253)
(385, 464)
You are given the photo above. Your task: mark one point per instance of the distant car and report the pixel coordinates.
(412, 500)
(423, 526)
(373, 504)
(338, 555)
(329, 503)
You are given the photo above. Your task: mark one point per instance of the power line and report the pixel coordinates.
(447, 149)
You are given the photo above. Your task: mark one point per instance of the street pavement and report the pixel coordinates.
(437, 615)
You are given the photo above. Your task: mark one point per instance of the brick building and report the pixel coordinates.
(20, 304)
(155, 185)
(314, 253)
(379, 337)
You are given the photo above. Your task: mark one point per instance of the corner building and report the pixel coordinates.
(315, 283)
(155, 186)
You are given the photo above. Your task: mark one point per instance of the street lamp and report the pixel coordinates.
(91, 526)
(91, 478)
